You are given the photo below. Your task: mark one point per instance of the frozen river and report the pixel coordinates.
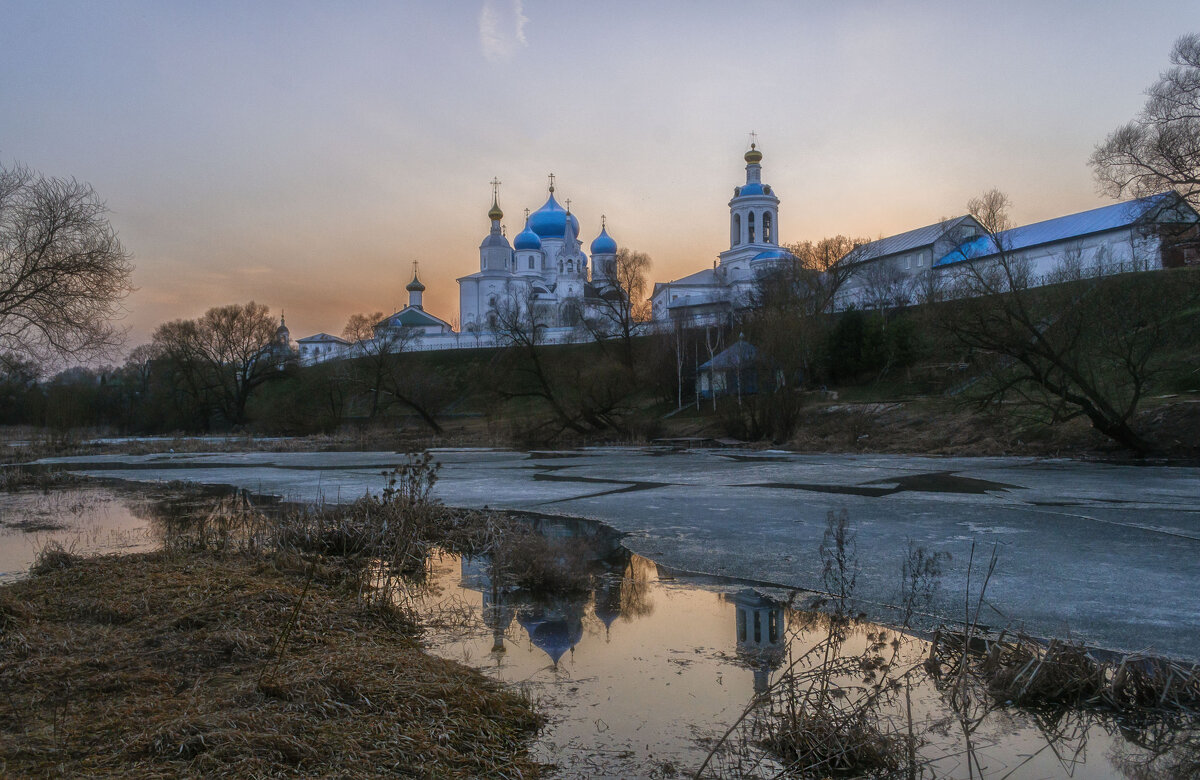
(1103, 553)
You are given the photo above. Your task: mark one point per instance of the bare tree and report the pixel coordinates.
(1088, 347)
(63, 273)
(884, 284)
(789, 299)
(622, 307)
(1160, 148)
(520, 326)
(379, 369)
(820, 273)
(583, 389)
(223, 356)
(371, 355)
(927, 286)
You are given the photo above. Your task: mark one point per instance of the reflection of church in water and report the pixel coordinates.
(556, 624)
(761, 634)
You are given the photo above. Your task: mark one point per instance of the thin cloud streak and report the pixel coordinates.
(501, 30)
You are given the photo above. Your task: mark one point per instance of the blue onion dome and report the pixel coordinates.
(774, 254)
(753, 188)
(527, 239)
(604, 244)
(550, 221)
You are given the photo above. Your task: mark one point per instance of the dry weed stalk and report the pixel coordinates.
(824, 713)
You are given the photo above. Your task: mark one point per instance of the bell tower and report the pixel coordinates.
(753, 213)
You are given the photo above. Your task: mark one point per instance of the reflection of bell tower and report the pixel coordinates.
(498, 612)
(761, 630)
(498, 606)
(606, 603)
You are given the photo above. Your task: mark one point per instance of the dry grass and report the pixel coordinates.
(44, 478)
(1022, 670)
(172, 665)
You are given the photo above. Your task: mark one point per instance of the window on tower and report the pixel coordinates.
(767, 226)
(750, 224)
(531, 262)
(737, 229)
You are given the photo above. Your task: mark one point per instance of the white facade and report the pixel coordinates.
(544, 269)
(924, 264)
(322, 347)
(753, 248)
(927, 263)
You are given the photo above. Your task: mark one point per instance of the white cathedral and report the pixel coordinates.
(543, 272)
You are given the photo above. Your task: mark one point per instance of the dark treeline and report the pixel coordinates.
(525, 392)
(1083, 347)
(1087, 347)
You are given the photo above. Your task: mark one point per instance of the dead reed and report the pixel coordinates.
(149, 666)
(1022, 670)
(256, 643)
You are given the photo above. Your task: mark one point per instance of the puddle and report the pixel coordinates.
(88, 519)
(643, 673)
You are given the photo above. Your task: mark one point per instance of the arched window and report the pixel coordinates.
(737, 229)
(531, 262)
(767, 227)
(750, 223)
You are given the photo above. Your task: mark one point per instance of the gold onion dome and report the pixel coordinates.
(495, 213)
(753, 156)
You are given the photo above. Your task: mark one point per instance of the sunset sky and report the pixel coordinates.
(305, 154)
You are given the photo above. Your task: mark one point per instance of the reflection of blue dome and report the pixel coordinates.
(527, 239)
(774, 254)
(550, 221)
(556, 637)
(553, 628)
(604, 244)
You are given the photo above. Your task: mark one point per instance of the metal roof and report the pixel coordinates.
(1105, 218)
(322, 337)
(740, 355)
(706, 277)
(412, 317)
(903, 242)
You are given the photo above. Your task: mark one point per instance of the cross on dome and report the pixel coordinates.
(494, 213)
(552, 183)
